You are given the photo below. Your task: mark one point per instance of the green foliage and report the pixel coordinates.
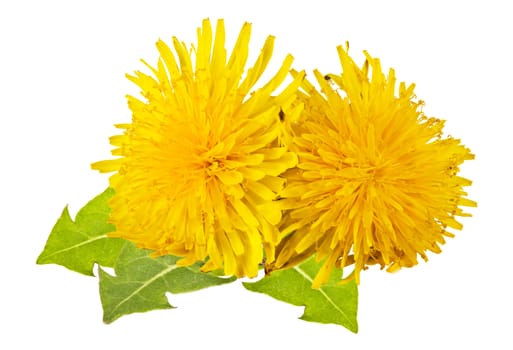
(78, 245)
(332, 303)
(141, 282)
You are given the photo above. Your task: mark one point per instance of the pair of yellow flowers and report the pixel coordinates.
(213, 170)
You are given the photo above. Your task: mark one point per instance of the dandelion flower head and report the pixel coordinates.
(376, 181)
(199, 165)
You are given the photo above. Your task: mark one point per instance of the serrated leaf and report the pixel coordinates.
(332, 303)
(141, 282)
(78, 245)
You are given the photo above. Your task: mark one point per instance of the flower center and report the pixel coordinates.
(213, 166)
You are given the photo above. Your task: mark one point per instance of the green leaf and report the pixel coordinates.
(80, 244)
(141, 282)
(332, 303)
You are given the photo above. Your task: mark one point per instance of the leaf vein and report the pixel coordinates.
(144, 285)
(60, 251)
(309, 279)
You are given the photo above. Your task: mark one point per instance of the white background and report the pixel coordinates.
(62, 86)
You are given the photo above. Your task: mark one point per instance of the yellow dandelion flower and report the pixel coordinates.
(200, 163)
(376, 180)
